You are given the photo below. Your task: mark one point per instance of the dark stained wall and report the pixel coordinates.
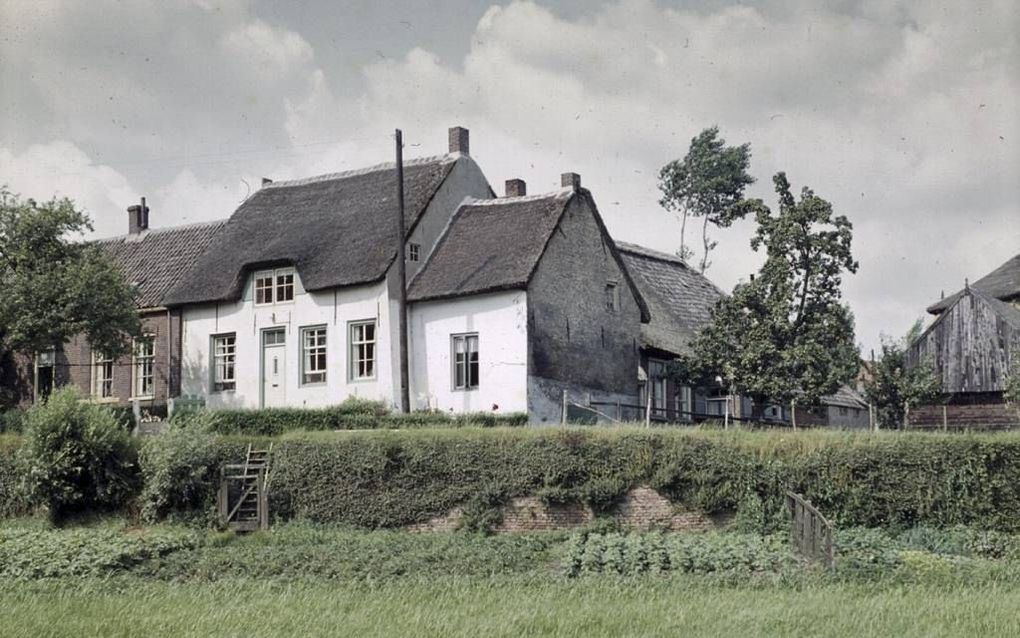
(970, 345)
(573, 337)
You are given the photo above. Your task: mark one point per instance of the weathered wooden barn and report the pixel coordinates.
(973, 345)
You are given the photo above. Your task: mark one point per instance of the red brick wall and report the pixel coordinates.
(642, 509)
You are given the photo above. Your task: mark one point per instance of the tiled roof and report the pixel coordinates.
(1002, 283)
(679, 298)
(337, 230)
(155, 260)
(845, 397)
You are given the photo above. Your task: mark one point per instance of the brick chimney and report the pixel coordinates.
(573, 180)
(138, 218)
(459, 140)
(266, 180)
(516, 188)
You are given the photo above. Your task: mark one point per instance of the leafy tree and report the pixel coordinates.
(785, 334)
(54, 287)
(1012, 391)
(895, 386)
(708, 182)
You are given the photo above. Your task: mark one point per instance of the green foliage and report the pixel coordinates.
(708, 182)
(785, 334)
(181, 469)
(11, 501)
(75, 457)
(27, 553)
(54, 287)
(1012, 386)
(390, 479)
(352, 414)
(636, 554)
(895, 386)
(12, 421)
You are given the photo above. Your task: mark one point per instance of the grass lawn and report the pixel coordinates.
(501, 606)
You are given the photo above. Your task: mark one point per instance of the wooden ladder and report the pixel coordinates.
(244, 492)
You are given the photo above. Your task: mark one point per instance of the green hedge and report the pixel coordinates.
(276, 421)
(388, 479)
(11, 503)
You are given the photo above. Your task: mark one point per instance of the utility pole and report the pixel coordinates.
(405, 394)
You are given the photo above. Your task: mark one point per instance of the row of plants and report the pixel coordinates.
(74, 457)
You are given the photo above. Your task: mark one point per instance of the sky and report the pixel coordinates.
(904, 115)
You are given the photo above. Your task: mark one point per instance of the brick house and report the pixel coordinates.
(152, 260)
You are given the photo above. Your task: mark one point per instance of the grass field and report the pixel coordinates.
(501, 606)
(108, 577)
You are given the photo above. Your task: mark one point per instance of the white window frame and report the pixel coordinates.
(224, 360)
(102, 383)
(359, 345)
(143, 366)
(278, 283)
(463, 366)
(310, 353)
(413, 252)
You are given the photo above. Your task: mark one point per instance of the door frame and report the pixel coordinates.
(262, 361)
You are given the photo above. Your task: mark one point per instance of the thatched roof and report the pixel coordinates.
(337, 230)
(496, 244)
(1002, 283)
(679, 298)
(154, 261)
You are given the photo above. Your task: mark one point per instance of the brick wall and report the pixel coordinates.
(992, 415)
(641, 509)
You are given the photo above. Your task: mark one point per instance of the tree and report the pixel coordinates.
(785, 335)
(896, 387)
(55, 287)
(708, 182)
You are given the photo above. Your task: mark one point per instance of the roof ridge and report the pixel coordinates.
(354, 172)
(495, 201)
(651, 253)
(162, 230)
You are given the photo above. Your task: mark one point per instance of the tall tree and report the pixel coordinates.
(896, 387)
(708, 182)
(56, 286)
(785, 334)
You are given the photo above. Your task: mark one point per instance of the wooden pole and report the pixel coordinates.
(871, 418)
(563, 411)
(793, 414)
(648, 409)
(906, 415)
(405, 392)
(945, 420)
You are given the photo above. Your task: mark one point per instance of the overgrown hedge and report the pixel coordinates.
(389, 479)
(277, 421)
(11, 503)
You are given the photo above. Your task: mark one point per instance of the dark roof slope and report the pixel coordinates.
(496, 244)
(155, 260)
(337, 230)
(679, 298)
(1001, 283)
(845, 397)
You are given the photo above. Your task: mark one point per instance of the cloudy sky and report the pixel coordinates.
(905, 115)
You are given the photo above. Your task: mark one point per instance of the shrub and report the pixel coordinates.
(12, 421)
(11, 502)
(75, 457)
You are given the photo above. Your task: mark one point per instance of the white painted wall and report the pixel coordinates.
(332, 308)
(501, 322)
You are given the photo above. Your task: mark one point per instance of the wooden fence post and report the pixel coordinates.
(563, 415)
(648, 410)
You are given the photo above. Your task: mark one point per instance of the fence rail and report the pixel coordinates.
(810, 532)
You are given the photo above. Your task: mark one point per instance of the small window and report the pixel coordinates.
(313, 355)
(362, 350)
(223, 362)
(143, 359)
(413, 252)
(612, 296)
(465, 361)
(102, 376)
(274, 286)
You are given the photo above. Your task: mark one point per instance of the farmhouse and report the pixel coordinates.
(973, 345)
(153, 261)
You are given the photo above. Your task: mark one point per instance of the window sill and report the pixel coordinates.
(222, 391)
(317, 384)
(105, 399)
(471, 389)
(147, 397)
(362, 380)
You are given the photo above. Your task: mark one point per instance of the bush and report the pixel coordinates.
(12, 421)
(352, 414)
(75, 457)
(11, 502)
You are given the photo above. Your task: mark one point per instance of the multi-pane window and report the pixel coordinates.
(102, 376)
(363, 350)
(224, 347)
(413, 252)
(313, 355)
(142, 360)
(612, 296)
(657, 383)
(274, 286)
(465, 361)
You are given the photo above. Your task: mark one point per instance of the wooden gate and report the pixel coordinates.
(243, 499)
(810, 532)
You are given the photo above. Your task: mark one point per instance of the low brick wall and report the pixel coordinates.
(641, 509)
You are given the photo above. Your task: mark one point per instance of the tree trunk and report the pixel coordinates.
(704, 243)
(683, 229)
